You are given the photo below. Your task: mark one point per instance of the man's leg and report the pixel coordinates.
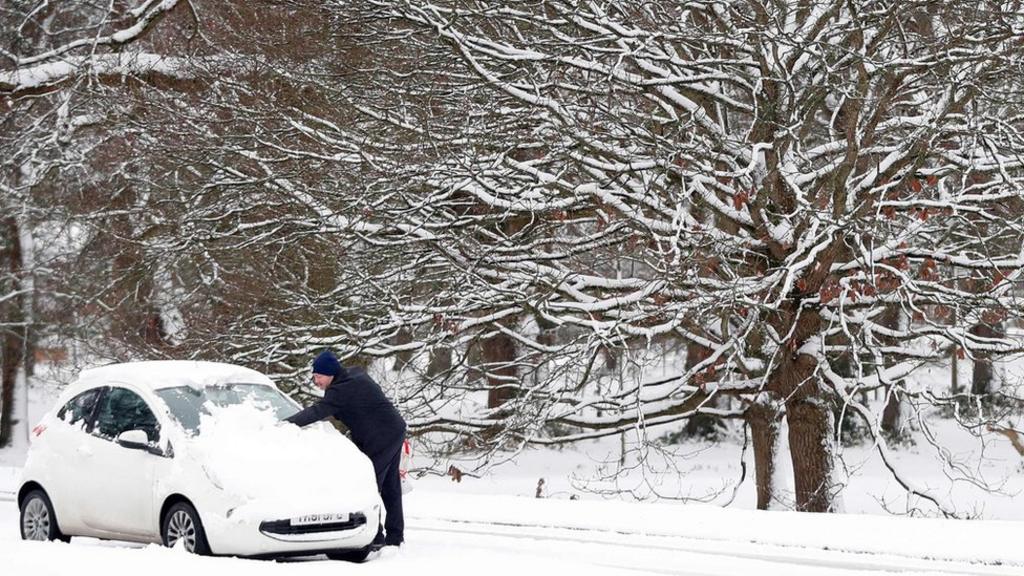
(380, 468)
(391, 494)
(386, 466)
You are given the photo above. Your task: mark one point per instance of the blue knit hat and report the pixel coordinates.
(326, 363)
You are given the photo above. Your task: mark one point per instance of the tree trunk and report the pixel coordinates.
(547, 336)
(12, 314)
(27, 247)
(811, 430)
(499, 351)
(764, 419)
(499, 356)
(440, 361)
(404, 357)
(136, 321)
(808, 413)
(891, 414)
(700, 425)
(954, 378)
(983, 376)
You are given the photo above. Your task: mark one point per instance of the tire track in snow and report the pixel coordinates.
(752, 550)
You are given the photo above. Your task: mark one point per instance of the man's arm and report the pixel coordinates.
(324, 408)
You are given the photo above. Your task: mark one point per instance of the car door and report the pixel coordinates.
(118, 494)
(66, 457)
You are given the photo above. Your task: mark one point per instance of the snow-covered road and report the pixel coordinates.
(680, 555)
(455, 534)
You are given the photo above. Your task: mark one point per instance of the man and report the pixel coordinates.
(378, 430)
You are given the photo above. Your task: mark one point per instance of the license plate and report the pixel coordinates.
(319, 519)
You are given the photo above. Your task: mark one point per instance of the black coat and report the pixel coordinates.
(355, 399)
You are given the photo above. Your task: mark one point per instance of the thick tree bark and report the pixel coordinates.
(811, 429)
(499, 356)
(499, 350)
(764, 419)
(808, 412)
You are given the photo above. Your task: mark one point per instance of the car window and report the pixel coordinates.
(187, 404)
(78, 411)
(122, 410)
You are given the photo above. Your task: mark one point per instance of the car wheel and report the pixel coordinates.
(38, 522)
(356, 556)
(182, 523)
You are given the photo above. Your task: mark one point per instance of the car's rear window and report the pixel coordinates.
(78, 411)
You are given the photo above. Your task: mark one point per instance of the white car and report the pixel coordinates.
(195, 452)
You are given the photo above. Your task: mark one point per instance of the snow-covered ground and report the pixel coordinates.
(697, 472)
(468, 534)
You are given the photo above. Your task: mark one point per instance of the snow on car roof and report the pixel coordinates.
(157, 374)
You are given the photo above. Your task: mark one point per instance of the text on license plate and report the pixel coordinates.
(320, 519)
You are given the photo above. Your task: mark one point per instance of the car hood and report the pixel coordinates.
(271, 465)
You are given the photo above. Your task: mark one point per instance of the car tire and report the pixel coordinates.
(357, 556)
(182, 522)
(38, 521)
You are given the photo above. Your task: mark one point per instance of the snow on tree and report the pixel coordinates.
(524, 204)
(805, 190)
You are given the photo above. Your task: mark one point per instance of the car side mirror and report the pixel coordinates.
(138, 440)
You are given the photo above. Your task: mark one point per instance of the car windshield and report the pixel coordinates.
(188, 404)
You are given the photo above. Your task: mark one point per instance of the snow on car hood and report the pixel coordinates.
(276, 466)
